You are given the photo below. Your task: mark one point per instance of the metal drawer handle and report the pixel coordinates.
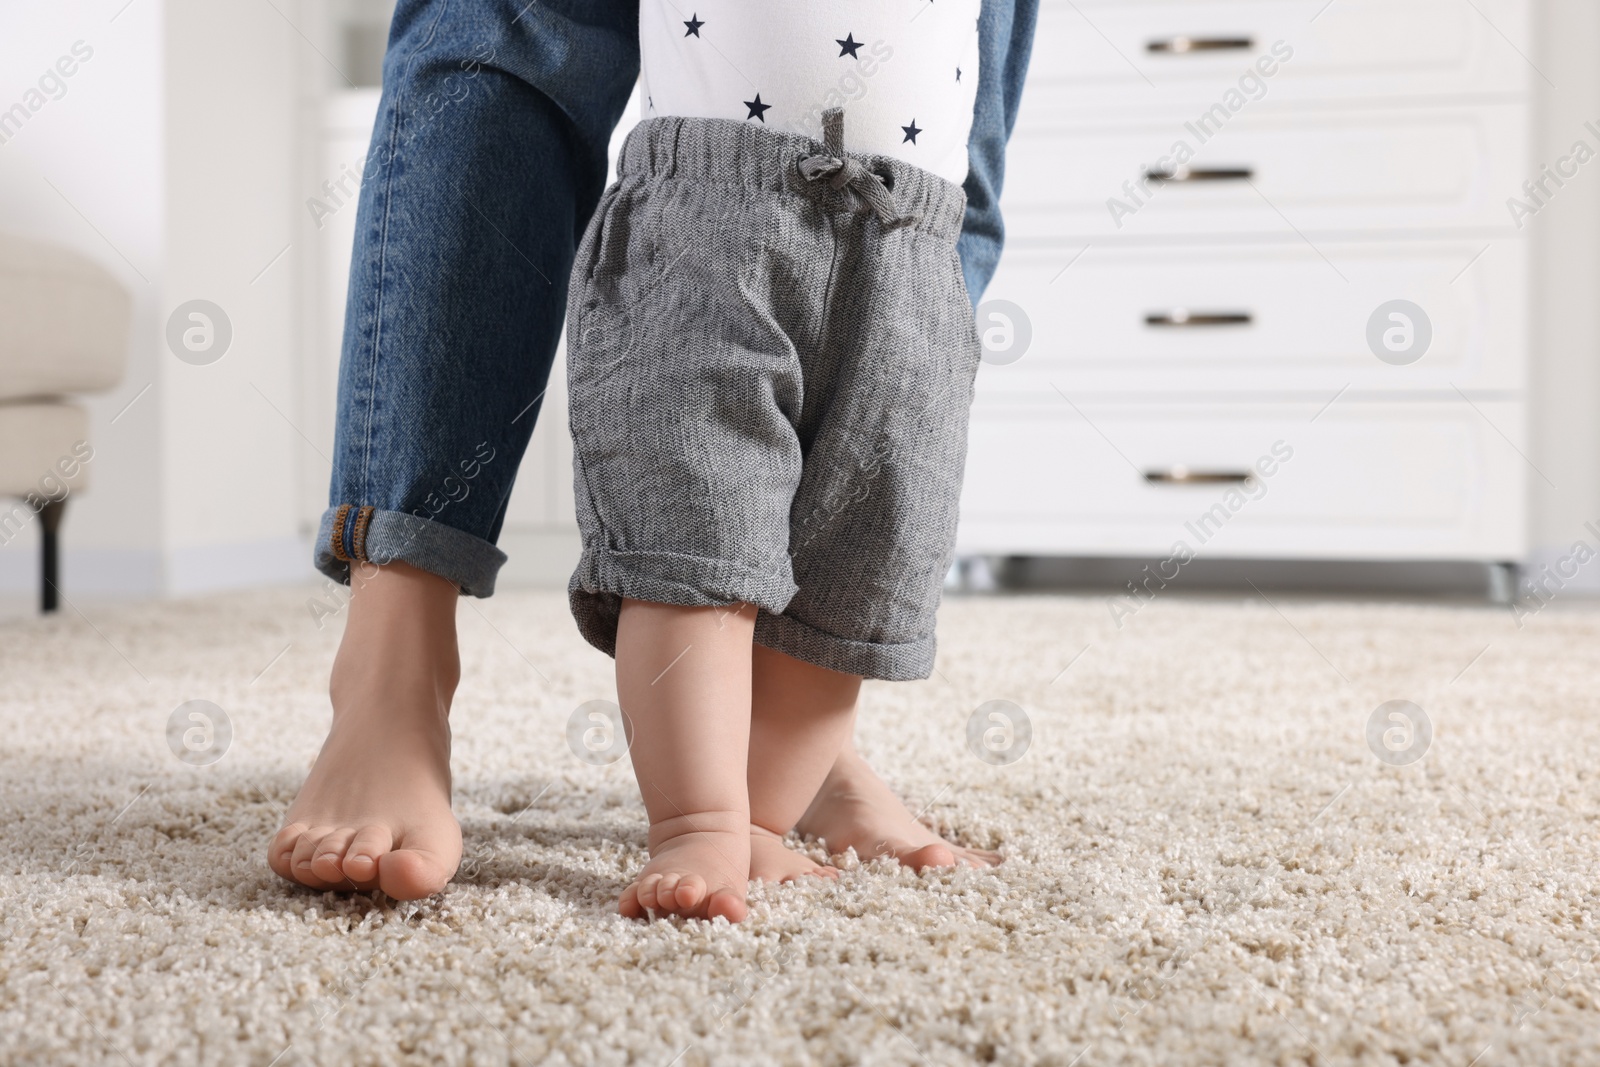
(1181, 475)
(1186, 319)
(1184, 45)
(1201, 174)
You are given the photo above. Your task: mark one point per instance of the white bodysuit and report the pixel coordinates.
(905, 71)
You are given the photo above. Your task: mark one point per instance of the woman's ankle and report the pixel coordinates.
(401, 631)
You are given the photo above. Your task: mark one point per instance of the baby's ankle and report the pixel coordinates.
(689, 824)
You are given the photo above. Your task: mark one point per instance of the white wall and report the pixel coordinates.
(169, 160)
(54, 186)
(1565, 393)
(229, 443)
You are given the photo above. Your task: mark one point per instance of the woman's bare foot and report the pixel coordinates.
(773, 861)
(699, 869)
(374, 813)
(857, 809)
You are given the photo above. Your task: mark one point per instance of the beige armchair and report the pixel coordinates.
(63, 331)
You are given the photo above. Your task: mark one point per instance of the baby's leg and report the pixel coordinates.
(857, 809)
(800, 719)
(683, 680)
(805, 772)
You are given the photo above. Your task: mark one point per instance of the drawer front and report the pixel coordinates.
(1277, 318)
(1267, 174)
(1359, 481)
(1090, 56)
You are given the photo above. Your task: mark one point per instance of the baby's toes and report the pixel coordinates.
(806, 869)
(937, 854)
(667, 890)
(629, 907)
(689, 893)
(327, 859)
(978, 857)
(646, 887)
(727, 903)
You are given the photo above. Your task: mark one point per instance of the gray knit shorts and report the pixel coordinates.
(770, 389)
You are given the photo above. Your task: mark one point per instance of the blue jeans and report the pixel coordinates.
(487, 159)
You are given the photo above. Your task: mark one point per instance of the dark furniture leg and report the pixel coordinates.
(49, 553)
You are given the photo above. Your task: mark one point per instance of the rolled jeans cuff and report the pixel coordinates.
(381, 537)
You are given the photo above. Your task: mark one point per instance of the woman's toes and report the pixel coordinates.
(326, 860)
(361, 857)
(305, 850)
(414, 873)
(281, 849)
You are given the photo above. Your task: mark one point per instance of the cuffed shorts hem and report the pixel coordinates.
(605, 577)
(454, 555)
(888, 663)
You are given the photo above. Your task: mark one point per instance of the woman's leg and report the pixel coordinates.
(375, 810)
(487, 159)
(1005, 41)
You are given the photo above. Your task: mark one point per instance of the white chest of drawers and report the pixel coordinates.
(1206, 204)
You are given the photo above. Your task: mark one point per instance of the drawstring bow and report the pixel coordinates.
(845, 172)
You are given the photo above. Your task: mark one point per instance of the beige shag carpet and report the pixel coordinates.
(1206, 862)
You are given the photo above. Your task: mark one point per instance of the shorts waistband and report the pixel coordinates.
(742, 153)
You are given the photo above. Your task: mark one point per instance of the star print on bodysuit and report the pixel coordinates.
(781, 63)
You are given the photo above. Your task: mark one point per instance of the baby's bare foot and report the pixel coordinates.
(856, 809)
(699, 869)
(374, 813)
(773, 861)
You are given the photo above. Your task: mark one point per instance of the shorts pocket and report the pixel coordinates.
(586, 261)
